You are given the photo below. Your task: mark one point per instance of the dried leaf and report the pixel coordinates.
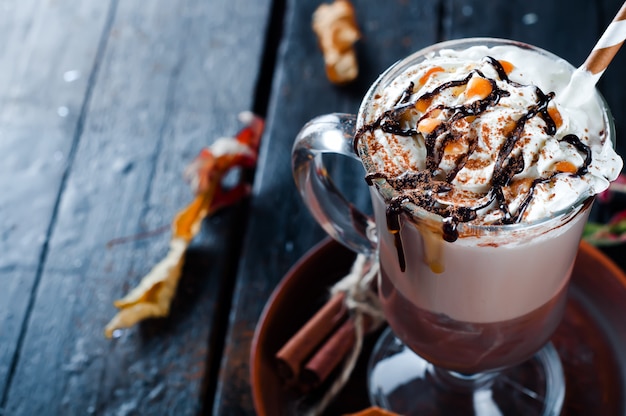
(152, 298)
(337, 30)
(187, 222)
(154, 294)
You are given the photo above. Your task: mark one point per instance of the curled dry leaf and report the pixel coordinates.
(337, 30)
(154, 294)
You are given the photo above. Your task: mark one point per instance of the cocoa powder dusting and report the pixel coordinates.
(428, 188)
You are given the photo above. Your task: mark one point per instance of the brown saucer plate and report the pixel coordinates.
(591, 339)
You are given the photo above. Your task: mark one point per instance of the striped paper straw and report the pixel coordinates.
(608, 45)
(586, 76)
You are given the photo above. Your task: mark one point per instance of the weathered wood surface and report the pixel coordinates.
(155, 82)
(102, 104)
(44, 82)
(280, 228)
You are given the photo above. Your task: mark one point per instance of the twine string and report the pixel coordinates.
(361, 300)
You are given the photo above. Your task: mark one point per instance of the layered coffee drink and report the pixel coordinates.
(484, 179)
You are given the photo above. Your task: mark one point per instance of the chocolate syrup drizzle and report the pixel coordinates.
(421, 187)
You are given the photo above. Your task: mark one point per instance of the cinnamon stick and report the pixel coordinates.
(291, 357)
(329, 355)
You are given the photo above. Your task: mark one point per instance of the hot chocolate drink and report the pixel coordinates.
(484, 180)
(481, 178)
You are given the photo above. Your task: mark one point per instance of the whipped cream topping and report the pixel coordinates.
(480, 135)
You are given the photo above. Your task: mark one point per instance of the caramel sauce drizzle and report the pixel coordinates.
(421, 187)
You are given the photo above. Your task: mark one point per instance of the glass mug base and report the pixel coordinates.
(401, 381)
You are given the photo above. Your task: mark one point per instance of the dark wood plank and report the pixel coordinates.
(552, 25)
(281, 228)
(44, 74)
(173, 78)
(612, 84)
(567, 28)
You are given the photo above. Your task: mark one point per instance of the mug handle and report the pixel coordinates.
(331, 133)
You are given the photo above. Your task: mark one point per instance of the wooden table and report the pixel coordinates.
(102, 105)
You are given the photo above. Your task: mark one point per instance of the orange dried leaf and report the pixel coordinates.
(225, 198)
(337, 30)
(187, 222)
(152, 298)
(154, 294)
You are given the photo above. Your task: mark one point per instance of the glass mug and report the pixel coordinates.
(469, 320)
